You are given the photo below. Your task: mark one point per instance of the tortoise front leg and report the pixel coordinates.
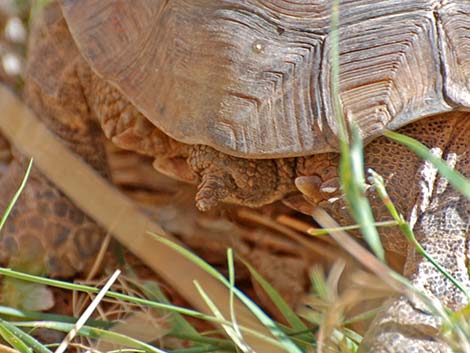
(248, 182)
(442, 228)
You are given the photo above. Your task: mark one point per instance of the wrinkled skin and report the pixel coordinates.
(415, 189)
(439, 216)
(78, 100)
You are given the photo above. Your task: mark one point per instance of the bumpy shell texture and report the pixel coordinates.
(251, 78)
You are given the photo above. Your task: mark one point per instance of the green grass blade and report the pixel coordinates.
(260, 315)
(179, 324)
(351, 167)
(18, 192)
(283, 339)
(87, 289)
(33, 315)
(227, 323)
(379, 185)
(353, 182)
(231, 331)
(30, 341)
(14, 340)
(324, 231)
(130, 299)
(192, 257)
(231, 276)
(294, 321)
(93, 332)
(458, 181)
(334, 59)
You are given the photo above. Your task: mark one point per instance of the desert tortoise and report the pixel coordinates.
(235, 95)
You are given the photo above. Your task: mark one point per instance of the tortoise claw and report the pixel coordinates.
(212, 190)
(308, 185)
(315, 190)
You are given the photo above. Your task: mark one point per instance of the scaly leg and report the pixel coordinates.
(442, 228)
(439, 215)
(248, 182)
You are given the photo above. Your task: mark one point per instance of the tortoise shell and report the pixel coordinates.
(252, 78)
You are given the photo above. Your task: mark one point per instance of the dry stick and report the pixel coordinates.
(101, 201)
(6, 349)
(294, 223)
(99, 258)
(350, 245)
(87, 313)
(304, 228)
(255, 217)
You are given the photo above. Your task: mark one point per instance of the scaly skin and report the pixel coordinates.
(70, 99)
(439, 216)
(441, 226)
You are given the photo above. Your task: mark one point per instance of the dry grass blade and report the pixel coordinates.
(332, 309)
(320, 249)
(6, 349)
(113, 210)
(356, 250)
(99, 257)
(87, 313)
